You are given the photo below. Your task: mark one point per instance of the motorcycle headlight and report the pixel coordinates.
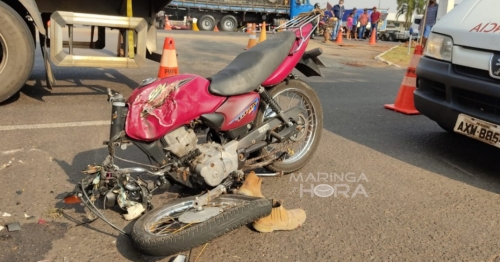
(439, 47)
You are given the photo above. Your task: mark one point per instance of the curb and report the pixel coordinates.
(379, 57)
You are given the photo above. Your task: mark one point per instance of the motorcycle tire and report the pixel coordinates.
(251, 209)
(307, 91)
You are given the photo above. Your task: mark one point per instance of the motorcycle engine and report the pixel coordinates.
(211, 161)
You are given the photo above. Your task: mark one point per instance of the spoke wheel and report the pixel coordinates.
(300, 147)
(177, 226)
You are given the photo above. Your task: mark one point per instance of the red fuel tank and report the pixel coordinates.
(166, 104)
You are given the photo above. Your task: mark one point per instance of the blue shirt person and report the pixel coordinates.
(338, 12)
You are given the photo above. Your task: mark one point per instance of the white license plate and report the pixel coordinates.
(478, 129)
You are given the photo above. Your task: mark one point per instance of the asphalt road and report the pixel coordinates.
(415, 192)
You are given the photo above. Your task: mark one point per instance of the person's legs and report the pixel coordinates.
(355, 30)
(280, 218)
(326, 34)
(427, 32)
(374, 28)
(362, 32)
(336, 29)
(349, 33)
(372, 25)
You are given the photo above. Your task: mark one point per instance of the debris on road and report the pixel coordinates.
(1, 228)
(6, 165)
(355, 64)
(13, 227)
(55, 213)
(5, 214)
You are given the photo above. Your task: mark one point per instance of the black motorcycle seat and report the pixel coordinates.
(253, 66)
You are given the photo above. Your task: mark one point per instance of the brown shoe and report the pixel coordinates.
(280, 219)
(251, 186)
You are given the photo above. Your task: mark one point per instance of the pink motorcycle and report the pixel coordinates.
(253, 113)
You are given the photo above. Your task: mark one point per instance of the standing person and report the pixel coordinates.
(430, 20)
(355, 19)
(363, 21)
(338, 12)
(349, 26)
(375, 18)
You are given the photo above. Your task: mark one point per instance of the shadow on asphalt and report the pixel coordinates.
(356, 112)
(71, 80)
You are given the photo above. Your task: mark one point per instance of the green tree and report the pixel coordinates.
(408, 8)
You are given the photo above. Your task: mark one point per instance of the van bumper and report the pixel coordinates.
(445, 90)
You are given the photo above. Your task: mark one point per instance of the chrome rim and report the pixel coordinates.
(302, 142)
(207, 24)
(3, 54)
(166, 222)
(229, 24)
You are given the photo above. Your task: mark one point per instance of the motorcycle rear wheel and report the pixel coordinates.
(314, 126)
(240, 210)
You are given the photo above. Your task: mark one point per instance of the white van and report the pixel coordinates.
(417, 19)
(458, 77)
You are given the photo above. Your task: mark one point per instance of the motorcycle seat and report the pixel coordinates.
(253, 66)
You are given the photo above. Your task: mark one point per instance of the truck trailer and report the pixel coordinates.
(233, 14)
(22, 20)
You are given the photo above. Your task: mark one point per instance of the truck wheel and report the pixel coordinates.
(206, 23)
(228, 23)
(17, 52)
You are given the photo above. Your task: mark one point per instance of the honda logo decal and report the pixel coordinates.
(495, 66)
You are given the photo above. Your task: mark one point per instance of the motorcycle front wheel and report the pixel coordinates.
(175, 227)
(300, 147)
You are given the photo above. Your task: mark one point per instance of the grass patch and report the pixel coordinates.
(399, 56)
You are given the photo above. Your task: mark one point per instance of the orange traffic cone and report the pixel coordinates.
(216, 29)
(404, 100)
(263, 35)
(167, 24)
(168, 62)
(339, 37)
(252, 40)
(373, 39)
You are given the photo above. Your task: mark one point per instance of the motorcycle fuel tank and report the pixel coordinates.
(166, 104)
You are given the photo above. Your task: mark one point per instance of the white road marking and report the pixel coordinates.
(54, 125)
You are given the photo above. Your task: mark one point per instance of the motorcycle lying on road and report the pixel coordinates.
(253, 113)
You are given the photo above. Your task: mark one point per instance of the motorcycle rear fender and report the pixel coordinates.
(310, 64)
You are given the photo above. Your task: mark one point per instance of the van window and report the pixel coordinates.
(417, 20)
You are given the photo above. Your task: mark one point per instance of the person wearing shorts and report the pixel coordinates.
(430, 20)
(349, 26)
(354, 28)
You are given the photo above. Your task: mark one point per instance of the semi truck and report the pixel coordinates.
(23, 20)
(229, 15)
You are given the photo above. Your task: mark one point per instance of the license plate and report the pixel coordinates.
(478, 129)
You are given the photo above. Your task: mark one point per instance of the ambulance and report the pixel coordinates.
(458, 76)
